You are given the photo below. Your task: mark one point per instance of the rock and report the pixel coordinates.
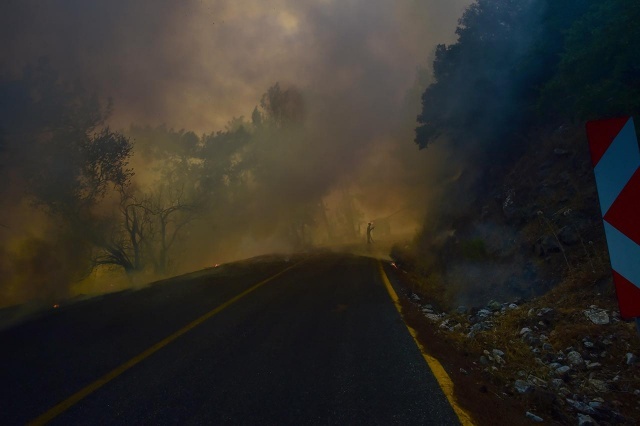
(561, 371)
(569, 236)
(473, 319)
(596, 404)
(556, 383)
(580, 407)
(449, 324)
(484, 360)
(537, 381)
(525, 330)
(530, 339)
(575, 359)
(512, 306)
(598, 385)
(415, 297)
(597, 316)
(522, 387)
(497, 352)
(586, 420)
(630, 358)
(432, 317)
(484, 313)
(533, 417)
(555, 365)
(494, 306)
(587, 344)
(545, 312)
(593, 365)
(547, 347)
(463, 371)
(461, 310)
(564, 392)
(481, 326)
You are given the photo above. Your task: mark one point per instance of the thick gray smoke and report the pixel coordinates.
(197, 64)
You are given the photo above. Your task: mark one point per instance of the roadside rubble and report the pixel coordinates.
(583, 381)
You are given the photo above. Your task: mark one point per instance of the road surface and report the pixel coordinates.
(320, 343)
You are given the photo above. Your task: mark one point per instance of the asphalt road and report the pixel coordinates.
(321, 343)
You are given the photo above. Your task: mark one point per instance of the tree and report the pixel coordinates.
(599, 70)
(282, 107)
(172, 211)
(476, 90)
(160, 143)
(125, 238)
(63, 157)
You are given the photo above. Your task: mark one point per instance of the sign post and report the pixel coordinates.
(616, 163)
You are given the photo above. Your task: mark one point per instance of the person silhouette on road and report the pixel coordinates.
(370, 228)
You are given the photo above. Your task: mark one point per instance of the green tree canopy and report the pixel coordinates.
(599, 71)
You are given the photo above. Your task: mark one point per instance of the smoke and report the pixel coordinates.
(197, 64)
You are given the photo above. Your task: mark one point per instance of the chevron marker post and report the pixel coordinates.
(616, 163)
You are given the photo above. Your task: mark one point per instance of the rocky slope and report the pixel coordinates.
(521, 285)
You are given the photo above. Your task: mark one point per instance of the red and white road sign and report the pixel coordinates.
(616, 163)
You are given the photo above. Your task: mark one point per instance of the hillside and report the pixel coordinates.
(534, 321)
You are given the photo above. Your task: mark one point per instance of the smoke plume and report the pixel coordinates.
(196, 65)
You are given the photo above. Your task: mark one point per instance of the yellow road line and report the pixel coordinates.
(86, 391)
(438, 371)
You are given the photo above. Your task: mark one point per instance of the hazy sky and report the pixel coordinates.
(196, 63)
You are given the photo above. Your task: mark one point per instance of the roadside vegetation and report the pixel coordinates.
(99, 210)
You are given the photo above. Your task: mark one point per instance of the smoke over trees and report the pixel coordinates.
(201, 157)
(133, 201)
(59, 157)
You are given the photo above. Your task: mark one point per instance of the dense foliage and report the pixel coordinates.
(519, 62)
